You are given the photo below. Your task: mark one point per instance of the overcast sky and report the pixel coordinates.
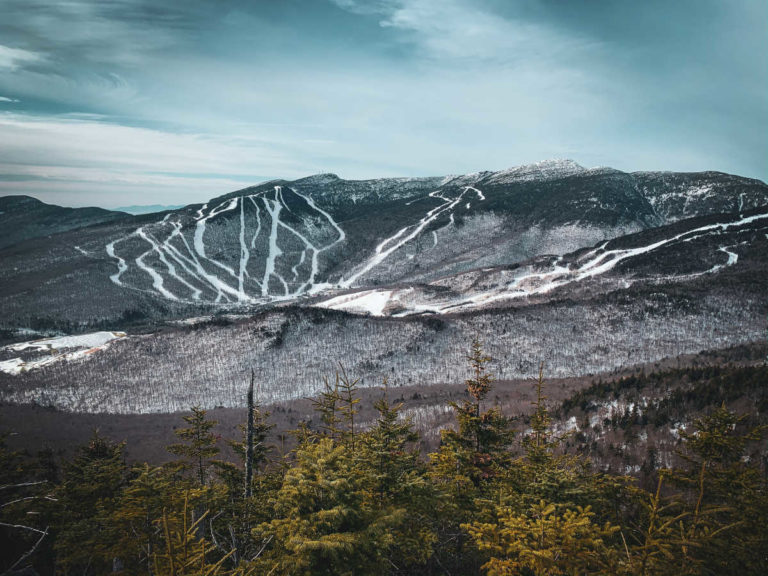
(123, 102)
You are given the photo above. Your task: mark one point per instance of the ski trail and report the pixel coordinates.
(434, 238)
(187, 264)
(282, 199)
(330, 219)
(121, 265)
(480, 195)
(310, 284)
(295, 268)
(222, 288)
(157, 280)
(200, 232)
(273, 208)
(308, 247)
(595, 267)
(191, 263)
(184, 263)
(171, 268)
(733, 257)
(598, 263)
(258, 222)
(399, 239)
(244, 252)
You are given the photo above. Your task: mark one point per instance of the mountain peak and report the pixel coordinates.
(319, 179)
(544, 170)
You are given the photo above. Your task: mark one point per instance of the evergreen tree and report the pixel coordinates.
(545, 542)
(88, 496)
(725, 495)
(184, 552)
(468, 462)
(397, 487)
(198, 444)
(320, 526)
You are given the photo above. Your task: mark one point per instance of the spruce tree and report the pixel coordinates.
(88, 496)
(198, 444)
(468, 462)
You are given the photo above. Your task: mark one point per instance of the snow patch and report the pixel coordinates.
(78, 346)
(370, 302)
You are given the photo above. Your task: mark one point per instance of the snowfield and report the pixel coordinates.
(77, 347)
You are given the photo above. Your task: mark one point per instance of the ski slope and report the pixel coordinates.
(256, 248)
(529, 282)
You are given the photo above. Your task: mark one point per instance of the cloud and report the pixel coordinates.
(468, 31)
(187, 100)
(14, 58)
(94, 162)
(6, 99)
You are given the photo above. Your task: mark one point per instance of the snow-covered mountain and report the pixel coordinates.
(587, 269)
(286, 240)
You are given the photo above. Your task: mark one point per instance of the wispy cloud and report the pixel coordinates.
(169, 100)
(14, 58)
(468, 31)
(113, 164)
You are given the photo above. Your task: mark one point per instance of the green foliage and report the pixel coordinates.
(357, 498)
(198, 444)
(468, 462)
(544, 542)
(320, 525)
(88, 496)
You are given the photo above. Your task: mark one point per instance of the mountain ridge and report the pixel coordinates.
(282, 240)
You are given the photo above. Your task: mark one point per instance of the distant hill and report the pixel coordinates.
(148, 208)
(24, 217)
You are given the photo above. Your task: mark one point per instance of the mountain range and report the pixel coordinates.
(588, 270)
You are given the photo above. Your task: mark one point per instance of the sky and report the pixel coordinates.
(130, 102)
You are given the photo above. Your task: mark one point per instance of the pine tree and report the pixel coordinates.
(547, 513)
(397, 486)
(87, 497)
(198, 444)
(468, 462)
(320, 526)
(184, 552)
(725, 495)
(134, 522)
(545, 542)
(353, 502)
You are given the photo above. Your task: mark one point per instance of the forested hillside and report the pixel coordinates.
(355, 496)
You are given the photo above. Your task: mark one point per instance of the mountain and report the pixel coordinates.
(148, 208)
(24, 217)
(588, 270)
(286, 240)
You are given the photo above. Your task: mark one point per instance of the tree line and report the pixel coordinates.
(351, 499)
